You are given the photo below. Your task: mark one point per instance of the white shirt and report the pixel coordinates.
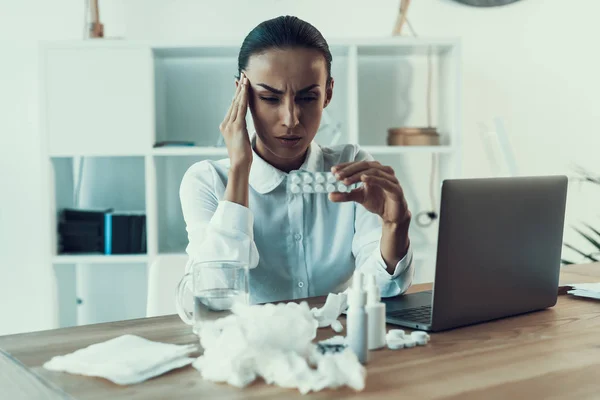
(297, 245)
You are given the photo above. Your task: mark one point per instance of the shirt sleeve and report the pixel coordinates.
(215, 227)
(366, 247)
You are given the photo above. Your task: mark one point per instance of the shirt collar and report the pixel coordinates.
(264, 177)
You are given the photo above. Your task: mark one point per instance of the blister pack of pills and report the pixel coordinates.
(301, 182)
(335, 344)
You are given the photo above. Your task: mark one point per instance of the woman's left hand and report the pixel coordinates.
(380, 193)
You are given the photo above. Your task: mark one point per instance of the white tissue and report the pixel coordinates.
(274, 342)
(334, 306)
(337, 326)
(124, 360)
(335, 340)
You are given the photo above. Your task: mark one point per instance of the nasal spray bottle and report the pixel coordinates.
(357, 322)
(375, 315)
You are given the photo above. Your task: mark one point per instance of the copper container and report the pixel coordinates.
(413, 137)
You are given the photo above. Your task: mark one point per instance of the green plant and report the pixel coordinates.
(590, 234)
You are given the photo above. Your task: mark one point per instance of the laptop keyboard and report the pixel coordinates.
(418, 314)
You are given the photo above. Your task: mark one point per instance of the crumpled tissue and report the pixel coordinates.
(334, 306)
(274, 341)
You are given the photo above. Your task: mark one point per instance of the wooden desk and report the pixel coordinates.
(549, 354)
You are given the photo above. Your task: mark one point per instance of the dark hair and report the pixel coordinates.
(285, 32)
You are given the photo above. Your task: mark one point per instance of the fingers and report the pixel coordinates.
(243, 101)
(350, 173)
(240, 104)
(357, 195)
(340, 166)
(236, 99)
(393, 188)
(348, 169)
(238, 89)
(370, 172)
(233, 108)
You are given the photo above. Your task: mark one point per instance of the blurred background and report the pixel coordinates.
(110, 124)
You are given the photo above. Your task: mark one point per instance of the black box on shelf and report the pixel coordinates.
(101, 231)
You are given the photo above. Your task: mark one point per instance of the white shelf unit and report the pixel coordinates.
(100, 259)
(107, 103)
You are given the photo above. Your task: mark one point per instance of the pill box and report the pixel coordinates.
(301, 182)
(396, 334)
(420, 337)
(397, 339)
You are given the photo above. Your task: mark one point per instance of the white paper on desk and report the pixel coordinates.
(589, 287)
(585, 293)
(124, 360)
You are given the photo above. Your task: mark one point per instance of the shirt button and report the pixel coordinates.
(300, 284)
(298, 237)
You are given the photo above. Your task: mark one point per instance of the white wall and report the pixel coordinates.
(26, 279)
(530, 63)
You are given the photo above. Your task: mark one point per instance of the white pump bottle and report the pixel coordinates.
(376, 315)
(357, 326)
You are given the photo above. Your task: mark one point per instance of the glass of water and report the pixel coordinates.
(216, 286)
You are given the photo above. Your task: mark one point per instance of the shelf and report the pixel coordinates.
(86, 153)
(375, 150)
(404, 47)
(203, 151)
(380, 150)
(165, 45)
(100, 259)
(139, 93)
(217, 50)
(190, 151)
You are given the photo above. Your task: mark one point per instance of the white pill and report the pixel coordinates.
(307, 189)
(395, 344)
(308, 178)
(319, 188)
(337, 326)
(409, 342)
(330, 188)
(342, 188)
(421, 338)
(330, 177)
(319, 177)
(395, 334)
(296, 178)
(295, 188)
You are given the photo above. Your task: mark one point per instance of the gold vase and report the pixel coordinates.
(413, 137)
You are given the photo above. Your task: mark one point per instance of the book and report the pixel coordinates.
(101, 231)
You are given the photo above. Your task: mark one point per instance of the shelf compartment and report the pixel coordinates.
(194, 87)
(192, 96)
(97, 183)
(395, 65)
(172, 235)
(96, 100)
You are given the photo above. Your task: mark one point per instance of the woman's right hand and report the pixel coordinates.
(234, 129)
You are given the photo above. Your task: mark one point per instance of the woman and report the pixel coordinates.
(236, 208)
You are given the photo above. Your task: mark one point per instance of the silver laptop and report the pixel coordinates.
(498, 254)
